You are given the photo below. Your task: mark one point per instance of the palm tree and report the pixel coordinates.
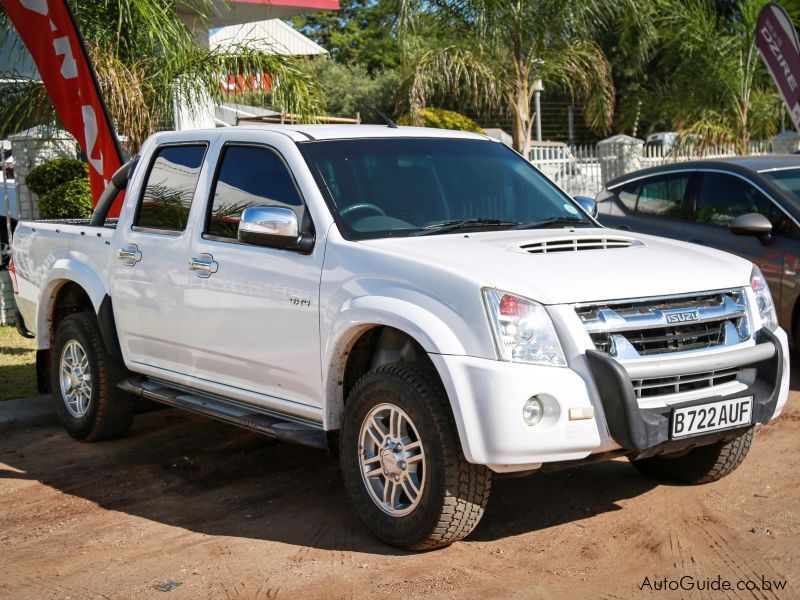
(146, 59)
(505, 47)
(717, 90)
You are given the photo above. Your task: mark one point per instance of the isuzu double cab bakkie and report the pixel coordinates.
(424, 303)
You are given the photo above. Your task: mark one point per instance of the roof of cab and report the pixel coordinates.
(334, 132)
(306, 133)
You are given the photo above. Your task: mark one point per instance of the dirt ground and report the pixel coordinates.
(227, 513)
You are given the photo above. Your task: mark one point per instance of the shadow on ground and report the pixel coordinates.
(212, 478)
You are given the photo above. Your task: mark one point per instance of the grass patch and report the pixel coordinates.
(17, 365)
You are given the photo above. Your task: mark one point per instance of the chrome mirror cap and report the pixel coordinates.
(268, 220)
(274, 227)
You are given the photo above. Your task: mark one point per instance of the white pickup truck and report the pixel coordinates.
(424, 303)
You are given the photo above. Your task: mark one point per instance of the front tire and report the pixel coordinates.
(84, 379)
(699, 465)
(402, 463)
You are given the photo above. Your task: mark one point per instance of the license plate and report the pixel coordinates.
(703, 418)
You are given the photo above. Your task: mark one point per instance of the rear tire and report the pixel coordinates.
(435, 496)
(700, 465)
(84, 380)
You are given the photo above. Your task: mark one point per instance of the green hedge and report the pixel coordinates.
(70, 200)
(48, 176)
(63, 189)
(439, 118)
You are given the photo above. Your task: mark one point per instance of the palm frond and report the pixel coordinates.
(25, 104)
(580, 68)
(736, 99)
(453, 71)
(129, 94)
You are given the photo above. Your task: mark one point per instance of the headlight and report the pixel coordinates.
(523, 332)
(766, 308)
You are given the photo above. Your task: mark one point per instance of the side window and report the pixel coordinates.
(782, 224)
(628, 194)
(248, 176)
(170, 187)
(662, 196)
(721, 198)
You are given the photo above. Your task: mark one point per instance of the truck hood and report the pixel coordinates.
(564, 266)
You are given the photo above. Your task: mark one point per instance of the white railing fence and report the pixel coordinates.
(583, 170)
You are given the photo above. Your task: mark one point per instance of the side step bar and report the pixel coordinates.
(250, 417)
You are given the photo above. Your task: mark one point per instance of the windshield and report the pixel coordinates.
(413, 186)
(788, 179)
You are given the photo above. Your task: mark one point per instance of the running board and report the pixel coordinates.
(250, 417)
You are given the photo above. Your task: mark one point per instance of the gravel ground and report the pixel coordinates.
(225, 513)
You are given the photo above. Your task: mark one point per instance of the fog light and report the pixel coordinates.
(532, 411)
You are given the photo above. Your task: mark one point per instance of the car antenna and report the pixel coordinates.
(389, 123)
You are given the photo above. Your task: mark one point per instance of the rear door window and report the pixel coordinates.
(663, 196)
(169, 189)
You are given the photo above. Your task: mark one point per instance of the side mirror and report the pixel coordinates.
(273, 227)
(754, 224)
(588, 204)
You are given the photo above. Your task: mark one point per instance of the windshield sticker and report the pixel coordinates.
(570, 209)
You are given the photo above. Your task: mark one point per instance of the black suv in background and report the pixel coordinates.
(748, 206)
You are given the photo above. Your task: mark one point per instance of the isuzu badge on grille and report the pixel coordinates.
(682, 316)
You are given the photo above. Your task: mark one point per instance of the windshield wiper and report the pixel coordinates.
(554, 221)
(447, 226)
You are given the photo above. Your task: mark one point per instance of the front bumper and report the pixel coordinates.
(634, 428)
(487, 397)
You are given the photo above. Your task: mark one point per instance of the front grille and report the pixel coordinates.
(633, 329)
(662, 386)
(577, 244)
(667, 339)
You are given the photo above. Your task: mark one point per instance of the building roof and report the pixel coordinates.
(272, 36)
(220, 13)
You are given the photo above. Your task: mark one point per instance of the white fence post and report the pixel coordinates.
(583, 170)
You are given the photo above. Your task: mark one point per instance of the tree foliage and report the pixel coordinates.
(70, 200)
(501, 49)
(45, 177)
(147, 60)
(704, 76)
(350, 89)
(63, 189)
(440, 118)
(360, 33)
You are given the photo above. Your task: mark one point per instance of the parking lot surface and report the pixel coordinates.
(207, 510)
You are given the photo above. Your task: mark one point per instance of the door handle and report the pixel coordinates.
(129, 255)
(696, 241)
(623, 227)
(203, 266)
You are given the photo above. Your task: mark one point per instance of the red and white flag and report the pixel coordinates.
(48, 29)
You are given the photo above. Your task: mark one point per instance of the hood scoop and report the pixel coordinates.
(576, 244)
